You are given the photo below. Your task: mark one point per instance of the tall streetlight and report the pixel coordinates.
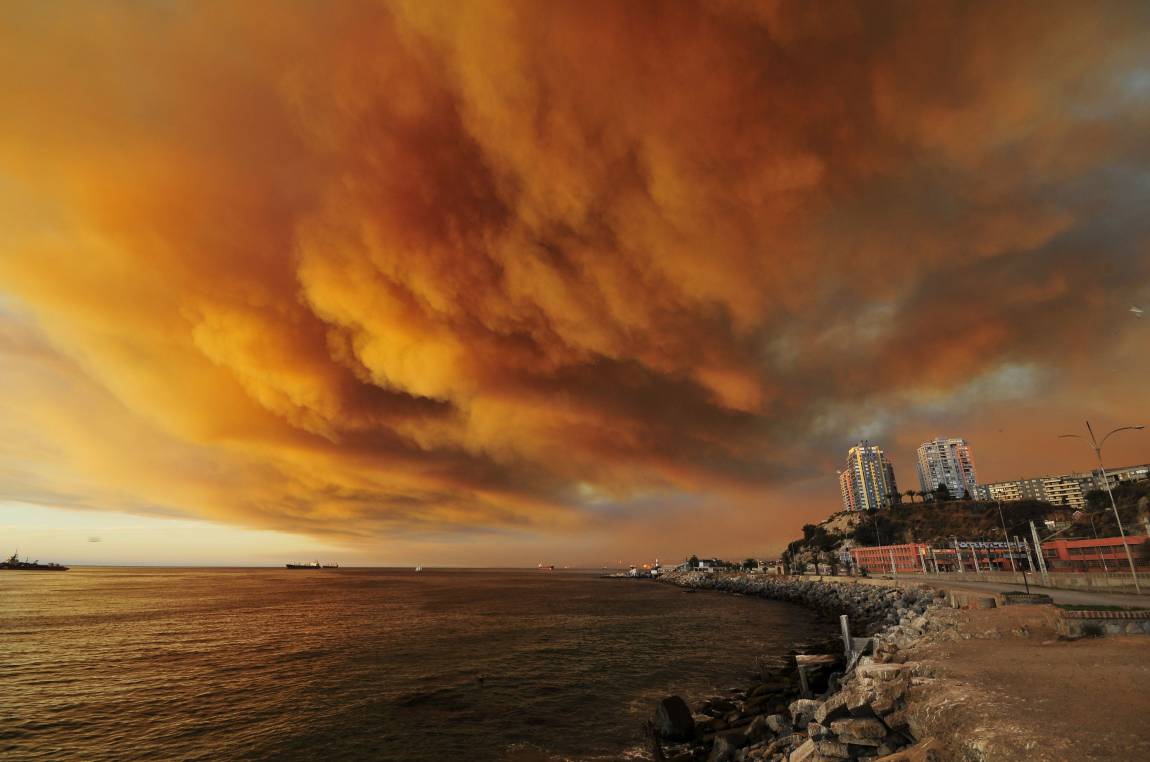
(1009, 550)
(1096, 446)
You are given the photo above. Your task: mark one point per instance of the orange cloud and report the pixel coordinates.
(365, 268)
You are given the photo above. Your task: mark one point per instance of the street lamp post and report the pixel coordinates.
(1026, 551)
(1096, 446)
(1005, 536)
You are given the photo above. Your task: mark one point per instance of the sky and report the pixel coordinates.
(495, 283)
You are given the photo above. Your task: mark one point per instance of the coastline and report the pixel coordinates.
(940, 675)
(852, 707)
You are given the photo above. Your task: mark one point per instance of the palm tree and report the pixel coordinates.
(910, 493)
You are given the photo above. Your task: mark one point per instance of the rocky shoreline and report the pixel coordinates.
(816, 708)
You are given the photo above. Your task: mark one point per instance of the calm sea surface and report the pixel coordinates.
(223, 664)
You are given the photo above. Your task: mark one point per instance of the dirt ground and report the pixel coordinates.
(1007, 689)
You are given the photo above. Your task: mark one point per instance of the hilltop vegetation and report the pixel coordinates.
(969, 520)
(936, 522)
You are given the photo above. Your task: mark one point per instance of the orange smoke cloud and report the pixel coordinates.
(366, 267)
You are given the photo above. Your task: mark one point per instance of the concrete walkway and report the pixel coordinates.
(1067, 597)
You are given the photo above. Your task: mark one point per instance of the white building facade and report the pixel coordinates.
(947, 460)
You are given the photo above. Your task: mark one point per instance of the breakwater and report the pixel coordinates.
(852, 707)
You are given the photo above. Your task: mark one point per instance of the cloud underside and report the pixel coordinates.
(379, 268)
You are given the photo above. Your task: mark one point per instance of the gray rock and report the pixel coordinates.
(887, 696)
(803, 711)
(782, 744)
(860, 731)
(897, 720)
(807, 752)
(833, 708)
(832, 749)
(779, 724)
(881, 671)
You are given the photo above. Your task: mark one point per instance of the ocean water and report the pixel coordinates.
(349, 664)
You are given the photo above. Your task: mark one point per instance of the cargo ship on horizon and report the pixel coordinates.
(15, 564)
(311, 565)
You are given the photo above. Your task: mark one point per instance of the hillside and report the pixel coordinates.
(969, 520)
(1133, 499)
(936, 523)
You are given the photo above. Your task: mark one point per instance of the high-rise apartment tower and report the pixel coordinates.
(946, 460)
(867, 482)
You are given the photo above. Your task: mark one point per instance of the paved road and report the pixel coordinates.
(1068, 597)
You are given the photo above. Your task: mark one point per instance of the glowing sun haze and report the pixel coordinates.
(538, 276)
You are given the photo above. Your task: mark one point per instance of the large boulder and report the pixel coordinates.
(887, 695)
(803, 711)
(833, 708)
(861, 731)
(673, 720)
(779, 724)
(817, 731)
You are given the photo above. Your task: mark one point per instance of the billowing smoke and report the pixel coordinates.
(375, 267)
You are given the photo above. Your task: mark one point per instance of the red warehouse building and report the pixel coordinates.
(906, 559)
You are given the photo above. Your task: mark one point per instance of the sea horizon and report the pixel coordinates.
(118, 663)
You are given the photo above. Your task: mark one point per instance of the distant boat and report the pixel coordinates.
(311, 565)
(546, 567)
(15, 564)
(419, 568)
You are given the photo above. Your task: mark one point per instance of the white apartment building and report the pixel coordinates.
(1067, 490)
(947, 460)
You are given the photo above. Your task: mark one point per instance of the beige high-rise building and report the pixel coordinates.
(867, 481)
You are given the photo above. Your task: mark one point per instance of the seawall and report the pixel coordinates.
(864, 713)
(870, 607)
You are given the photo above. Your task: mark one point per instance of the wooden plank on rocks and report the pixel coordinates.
(810, 660)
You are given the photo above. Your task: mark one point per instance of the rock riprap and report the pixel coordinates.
(863, 715)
